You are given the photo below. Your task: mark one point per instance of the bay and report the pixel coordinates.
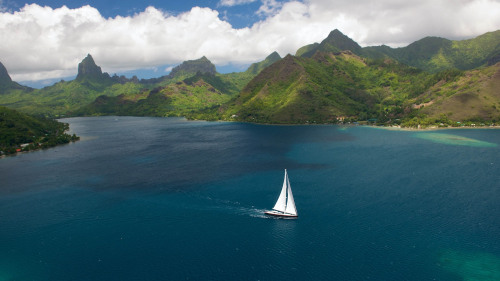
(170, 199)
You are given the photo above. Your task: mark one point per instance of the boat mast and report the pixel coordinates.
(290, 203)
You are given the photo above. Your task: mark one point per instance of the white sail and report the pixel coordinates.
(281, 203)
(285, 206)
(290, 203)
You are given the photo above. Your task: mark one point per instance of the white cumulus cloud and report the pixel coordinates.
(230, 3)
(398, 23)
(41, 42)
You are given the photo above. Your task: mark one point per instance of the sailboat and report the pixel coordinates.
(285, 206)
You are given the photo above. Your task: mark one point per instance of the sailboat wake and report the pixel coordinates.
(252, 212)
(247, 211)
(235, 207)
(284, 207)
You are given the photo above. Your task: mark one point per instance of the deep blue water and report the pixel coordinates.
(169, 199)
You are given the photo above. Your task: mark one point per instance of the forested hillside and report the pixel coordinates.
(21, 132)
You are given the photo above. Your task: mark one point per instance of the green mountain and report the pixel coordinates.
(307, 50)
(325, 82)
(332, 80)
(191, 67)
(432, 54)
(201, 88)
(240, 79)
(465, 96)
(95, 93)
(175, 99)
(65, 96)
(335, 42)
(20, 131)
(257, 67)
(435, 54)
(325, 88)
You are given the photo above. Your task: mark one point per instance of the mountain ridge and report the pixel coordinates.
(323, 88)
(325, 82)
(435, 54)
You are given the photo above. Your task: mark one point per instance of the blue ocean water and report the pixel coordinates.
(170, 199)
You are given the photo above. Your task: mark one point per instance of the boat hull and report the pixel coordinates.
(281, 214)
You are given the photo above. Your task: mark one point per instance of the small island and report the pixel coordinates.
(21, 132)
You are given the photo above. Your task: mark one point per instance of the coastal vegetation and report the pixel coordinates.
(22, 132)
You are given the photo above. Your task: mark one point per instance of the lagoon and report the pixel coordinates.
(142, 198)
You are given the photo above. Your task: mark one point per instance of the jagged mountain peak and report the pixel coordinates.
(336, 33)
(205, 59)
(4, 75)
(336, 41)
(273, 56)
(6, 82)
(257, 67)
(88, 69)
(340, 41)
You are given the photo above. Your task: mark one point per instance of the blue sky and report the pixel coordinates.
(239, 16)
(43, 41)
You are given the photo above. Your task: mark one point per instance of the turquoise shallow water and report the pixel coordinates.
(169, 199)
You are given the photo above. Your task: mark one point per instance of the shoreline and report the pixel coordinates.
(388, 128)
(432, 128)
(395, 128)
(35, 150)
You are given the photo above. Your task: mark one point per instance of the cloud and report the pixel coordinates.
(40, 42)
(269, 7)
(398, 23)
(231, 3)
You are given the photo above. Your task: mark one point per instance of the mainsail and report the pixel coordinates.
(281, 203)
(285, 202)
